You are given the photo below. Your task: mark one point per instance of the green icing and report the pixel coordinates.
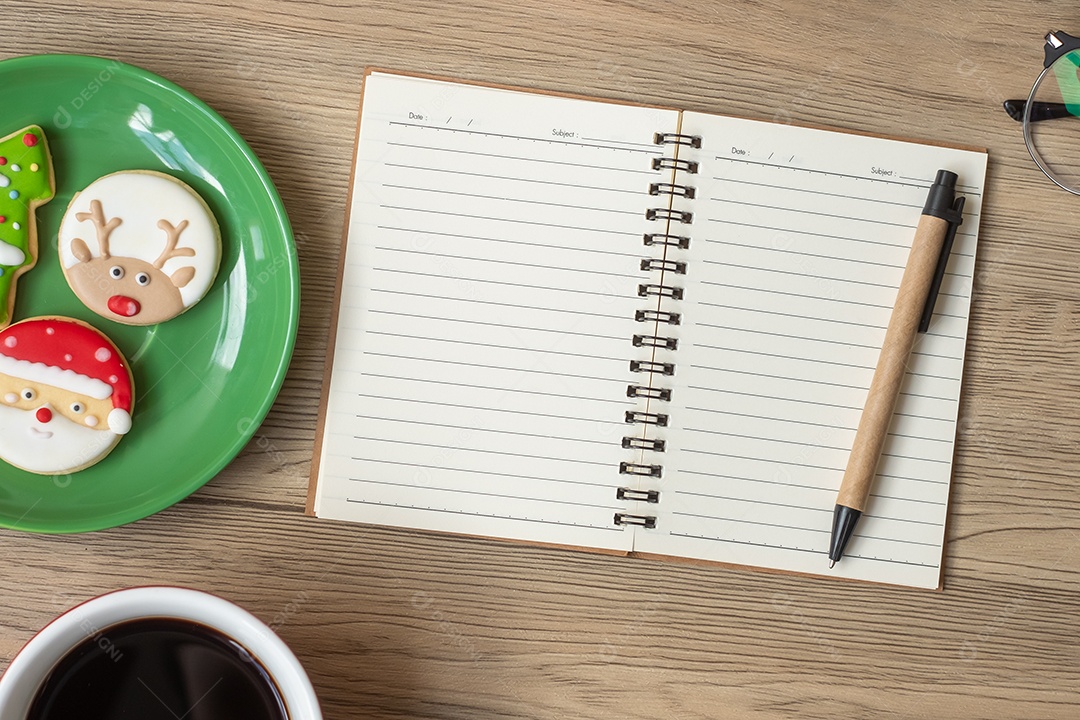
(30, 187)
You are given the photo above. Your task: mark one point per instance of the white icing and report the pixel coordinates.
(56, 377)
(4, 181)
(119, 421)
(140, 199)
(55, 447)
(11, 398)
(91, 421)
(11, 255)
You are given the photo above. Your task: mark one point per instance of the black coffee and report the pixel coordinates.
(158, 668)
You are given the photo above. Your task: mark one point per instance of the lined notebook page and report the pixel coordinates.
(483, 341)
(800, 238)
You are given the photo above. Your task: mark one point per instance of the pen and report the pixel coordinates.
(915, 298)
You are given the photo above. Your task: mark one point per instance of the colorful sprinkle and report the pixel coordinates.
(14, 194)
(34, 167)
(3, 219)
(29, 139)
(15, 168)
(16, 226)
(4, 181)
(3, 160)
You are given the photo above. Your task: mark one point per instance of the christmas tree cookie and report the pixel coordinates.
(26, 181)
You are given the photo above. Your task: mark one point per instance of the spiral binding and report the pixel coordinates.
(678, 268)
(679, 241)
(693, 141)
(686, 191)
(624, 493)
(645, 521)
(663, 289)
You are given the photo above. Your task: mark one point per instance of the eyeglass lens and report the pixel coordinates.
(1052, 121)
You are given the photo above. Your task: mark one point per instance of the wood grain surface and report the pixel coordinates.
(397, 624)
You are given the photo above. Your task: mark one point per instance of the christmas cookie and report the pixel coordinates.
(26, 181)
(65, 395)
(139, 247)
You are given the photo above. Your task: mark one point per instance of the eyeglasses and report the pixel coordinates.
(1051, 113)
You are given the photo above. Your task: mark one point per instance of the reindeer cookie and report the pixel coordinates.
(139, 247)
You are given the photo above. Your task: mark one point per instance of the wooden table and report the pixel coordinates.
(396, 624)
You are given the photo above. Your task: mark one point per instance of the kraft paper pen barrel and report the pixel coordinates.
(911, 313)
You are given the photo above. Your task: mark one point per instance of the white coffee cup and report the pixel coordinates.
(20, 683)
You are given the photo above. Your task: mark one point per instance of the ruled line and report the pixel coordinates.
(455, 341)
(474, 471)
(480, 493)
(955, 253)
(495, 324)
(805, 402)
(639, 147)
(814, 381)
(526, 201)
(797, 316)
(815, 276)
(428, 211)
(624, 402)
(574, 248)
(797, 549)
(501, 282)
(501, 263)
(444, 361)
(820, 192)
(811, 212)
(483, 451)
(515, 411)
(452, 426)
(791, 294)
(894, 266)
(788, 336)
(486, 515)
(780, 441)
(546, 161)
(921, 185)
(455, 172)
(473, 301)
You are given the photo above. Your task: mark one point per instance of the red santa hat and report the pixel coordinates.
(72, 356)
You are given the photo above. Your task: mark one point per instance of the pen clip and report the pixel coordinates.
(955, 217)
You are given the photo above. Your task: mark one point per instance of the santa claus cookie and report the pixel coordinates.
(65, 395)
(139, 247)
(26, 181)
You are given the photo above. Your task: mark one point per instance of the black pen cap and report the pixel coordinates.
(939, 201)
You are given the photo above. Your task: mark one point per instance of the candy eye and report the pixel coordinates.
(77, 408)
(28, 394)
(142, 279)
(116, 272)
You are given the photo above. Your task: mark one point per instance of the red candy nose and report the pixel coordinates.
(44, 415)
(124, 306)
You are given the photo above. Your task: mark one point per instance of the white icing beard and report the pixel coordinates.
(51, 448)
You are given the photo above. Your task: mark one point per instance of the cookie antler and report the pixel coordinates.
(104, 229)
(173, 237)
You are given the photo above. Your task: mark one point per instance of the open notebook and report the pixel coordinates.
(563, 321)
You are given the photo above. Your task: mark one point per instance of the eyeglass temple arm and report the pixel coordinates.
(1039, 110)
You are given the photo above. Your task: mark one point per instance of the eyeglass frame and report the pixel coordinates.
(1058, 44)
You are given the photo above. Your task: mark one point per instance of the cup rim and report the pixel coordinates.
(38, 656)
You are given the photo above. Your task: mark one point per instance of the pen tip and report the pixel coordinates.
(831, 564)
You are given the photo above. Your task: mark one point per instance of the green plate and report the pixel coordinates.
(204, 380)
